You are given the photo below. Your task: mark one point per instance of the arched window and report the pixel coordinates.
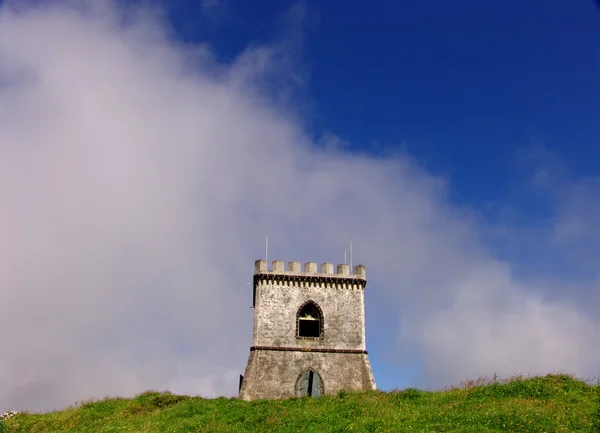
(309, 384)
(309, 321)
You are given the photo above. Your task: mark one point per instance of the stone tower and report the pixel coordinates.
(309, 332)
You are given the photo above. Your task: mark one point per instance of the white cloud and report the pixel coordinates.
(137, 191)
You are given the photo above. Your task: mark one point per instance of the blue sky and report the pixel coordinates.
(461, 86)
(147, 148)
(481, 94)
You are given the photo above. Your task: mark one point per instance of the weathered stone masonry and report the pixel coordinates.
(309, 332)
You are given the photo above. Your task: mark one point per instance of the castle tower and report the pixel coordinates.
(309, 332)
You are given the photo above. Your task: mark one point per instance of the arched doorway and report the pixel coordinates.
(309, 384)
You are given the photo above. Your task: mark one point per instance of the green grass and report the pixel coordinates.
(555, 403)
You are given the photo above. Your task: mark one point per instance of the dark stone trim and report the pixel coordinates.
(307, 349)
(335, 279)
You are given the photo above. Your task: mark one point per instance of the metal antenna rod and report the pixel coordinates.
(267, 251)
(350, 256)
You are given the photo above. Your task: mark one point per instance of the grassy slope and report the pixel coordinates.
(555, 403)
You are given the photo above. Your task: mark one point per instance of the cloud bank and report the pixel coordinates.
(138, 178)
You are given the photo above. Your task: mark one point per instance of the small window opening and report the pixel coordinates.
(309, 321)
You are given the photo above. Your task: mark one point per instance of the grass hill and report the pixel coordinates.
(554, 403)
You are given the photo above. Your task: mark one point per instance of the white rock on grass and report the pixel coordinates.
(8, 414)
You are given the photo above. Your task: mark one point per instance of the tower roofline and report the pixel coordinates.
(261, 267)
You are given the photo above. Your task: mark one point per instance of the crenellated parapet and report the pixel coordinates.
(311, 273)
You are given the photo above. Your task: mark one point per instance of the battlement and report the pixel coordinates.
(310, 269)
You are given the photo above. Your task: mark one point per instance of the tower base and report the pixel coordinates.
(276, 373)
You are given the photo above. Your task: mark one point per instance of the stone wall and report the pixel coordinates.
(274, 374)
(277, 303)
